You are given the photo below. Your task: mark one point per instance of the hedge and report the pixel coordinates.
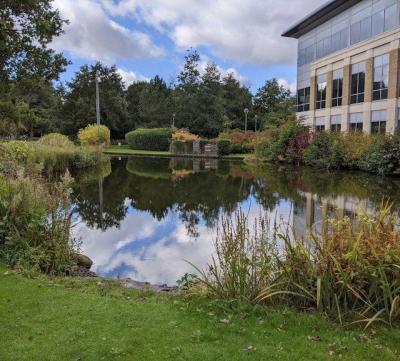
(156, 139)
(181, 147)
(224, 146)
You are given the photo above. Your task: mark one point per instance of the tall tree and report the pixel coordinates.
(80, 102)
(210, 111)
(26, 30)
(155, 104)
(186, 91)
(236, 98)
(133, 94)
(273, 103)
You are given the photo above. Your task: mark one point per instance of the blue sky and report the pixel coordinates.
(144, 38)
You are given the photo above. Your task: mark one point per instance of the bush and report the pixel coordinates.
(94, 135)
(56, 140)
(157, 139)
(325, 151)
(224, 147)
(242, 142)
(181, 147)
(184, 135)
(354, 146)
(381, 156)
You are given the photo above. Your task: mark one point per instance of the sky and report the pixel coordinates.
(144, 38)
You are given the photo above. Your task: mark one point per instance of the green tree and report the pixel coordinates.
(210, 110)
(235, 99)
(273, 103)
(79, 108)
(187, 90)
(155, 104)
(133, 94)
(26, 30)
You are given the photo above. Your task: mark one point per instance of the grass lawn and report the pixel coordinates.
(76, 319)
(125, 150)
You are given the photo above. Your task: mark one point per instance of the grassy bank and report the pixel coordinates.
(125, 150)
(76, 319)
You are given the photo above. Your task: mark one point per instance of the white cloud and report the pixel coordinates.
(91, 34)
(287, 85)
(129, 77)
(247, 31)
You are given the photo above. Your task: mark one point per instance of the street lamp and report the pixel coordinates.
(173, 120)
(97, 98)
(246, 112)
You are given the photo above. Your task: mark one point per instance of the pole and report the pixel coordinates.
(246, 112)
(173, 120)
(97, 99)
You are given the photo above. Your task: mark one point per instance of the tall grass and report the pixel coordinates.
(350, 273)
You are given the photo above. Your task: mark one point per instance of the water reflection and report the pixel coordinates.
(143, 217)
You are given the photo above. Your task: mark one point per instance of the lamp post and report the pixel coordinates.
(255, 125)
(173, 120)
(246, 113)
(97, 98)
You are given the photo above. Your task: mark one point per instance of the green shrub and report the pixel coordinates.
(181, 147)
(157, 139)
(94, 135)
(56, 140)
(325, 151)
(382, 156)
(224, 147)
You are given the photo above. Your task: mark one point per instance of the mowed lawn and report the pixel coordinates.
(76, 319)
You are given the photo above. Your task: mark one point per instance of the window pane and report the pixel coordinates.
(378, 21)
(366, 28)
(390, 17)
(355, 33)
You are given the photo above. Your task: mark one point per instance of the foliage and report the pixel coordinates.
(181, 147)
(157, 139)
(241, 142)
(284, 144)
(56, 140)
(350, 272)
(27, 28)
(325, 151)
(224, 146)
(79, 108)
(184, 135)
(35, 224)
(94, 135)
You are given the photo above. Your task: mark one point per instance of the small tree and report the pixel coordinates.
(94, 135)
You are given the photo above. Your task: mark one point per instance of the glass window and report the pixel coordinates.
(355, 33)
(357, 83)
(336, 123)
(390, 17)
(381, 77)
(356, 122)
(321, 92)
(378, 22)
(378, 122)
(319, 124)
(337, 88)
(303, 100)
(320, 49)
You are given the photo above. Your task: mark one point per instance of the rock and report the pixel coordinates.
(83, 261)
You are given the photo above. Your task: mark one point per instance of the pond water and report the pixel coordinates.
(144, 218)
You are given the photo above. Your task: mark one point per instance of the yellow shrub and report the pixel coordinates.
(355, 145)
(184, 135)
(94, 135)
(56, 140)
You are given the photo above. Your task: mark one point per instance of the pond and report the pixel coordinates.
(145, 218)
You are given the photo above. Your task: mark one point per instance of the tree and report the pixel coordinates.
(273, 103)
(155, 104)
(26, 30)
(133, 94)
(186, 91)
(79, 108)
(210, 110)
(235, 99)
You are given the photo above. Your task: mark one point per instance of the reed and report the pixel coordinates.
(350, 273)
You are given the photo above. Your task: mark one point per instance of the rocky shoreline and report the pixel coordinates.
(84, 264)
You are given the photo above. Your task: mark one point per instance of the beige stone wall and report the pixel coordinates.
(369, 78)
(394, 74)
(313, 92)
